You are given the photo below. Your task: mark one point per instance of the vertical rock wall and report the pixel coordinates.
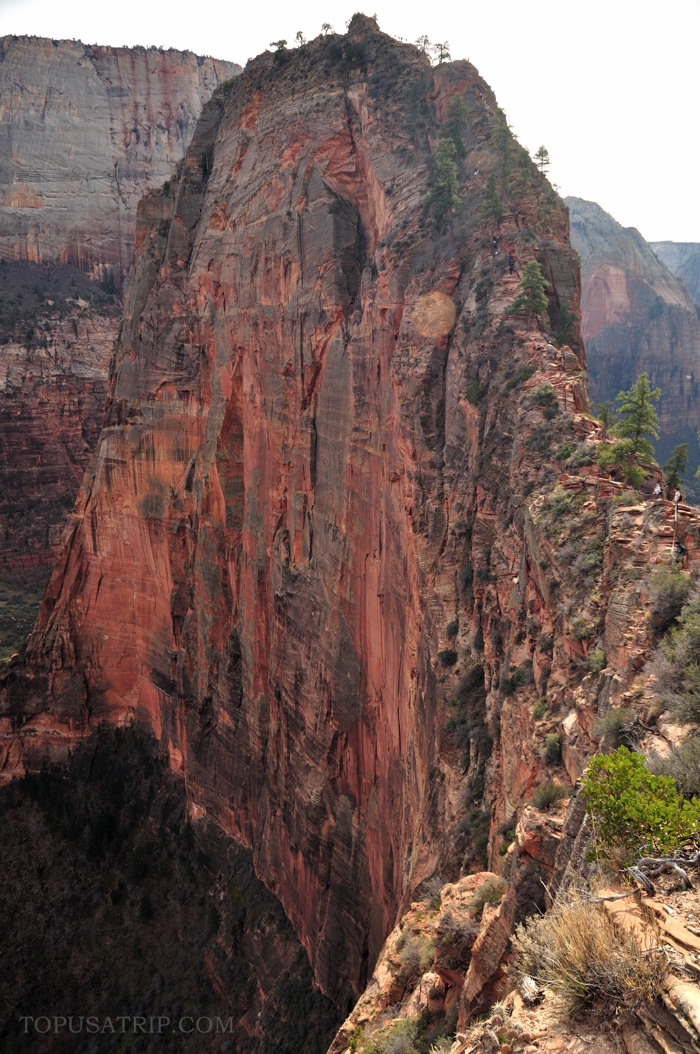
(84, 132)
(320, 548)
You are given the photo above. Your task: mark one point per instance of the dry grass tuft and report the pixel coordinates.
(578, 951)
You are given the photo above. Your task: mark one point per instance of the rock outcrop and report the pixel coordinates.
(84, 132)
(636, 315)
(683, 260)
(343, 545)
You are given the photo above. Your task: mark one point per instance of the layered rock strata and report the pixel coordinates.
(343, 526)
(84, 132)
(636, 315)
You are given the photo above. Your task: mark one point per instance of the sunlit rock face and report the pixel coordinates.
(84, 132)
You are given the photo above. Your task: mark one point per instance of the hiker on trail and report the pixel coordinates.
(494, 245)
(657, 492)
(679, 553)
(511, 263)
(677, 497)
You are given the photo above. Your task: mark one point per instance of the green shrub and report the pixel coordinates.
(448, 656)
(452, 629)
(560, 503)
(669, 591)
(582, 629)
(492, 892)
(635, 811)
(540, 709)
(597, 661)
(473, 393)
(548, 794)
(681, 648)
(619, 728)
(552, 748)
(520, 377)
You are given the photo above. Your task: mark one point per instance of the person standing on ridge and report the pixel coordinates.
(657, 491)
(494, 245)
(511, 263)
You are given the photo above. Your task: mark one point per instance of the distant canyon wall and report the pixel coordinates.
(637, 315)
(683, 260)
(84, 132)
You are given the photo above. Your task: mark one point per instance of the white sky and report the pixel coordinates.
(609, 86)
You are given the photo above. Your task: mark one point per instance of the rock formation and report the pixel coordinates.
(343, 546)
(683, 260)
(636, 315)
(84, 132)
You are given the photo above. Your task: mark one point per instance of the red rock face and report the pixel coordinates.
(84, 132)
(325, 444)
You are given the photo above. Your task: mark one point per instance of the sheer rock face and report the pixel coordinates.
(84, 131)
(683, 260)
(636, 315)
(51, 407)
(325, 444)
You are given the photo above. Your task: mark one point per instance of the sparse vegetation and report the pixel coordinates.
(669, 591)
(578, 952)
(596, 661)
(531, 297)
(548, 794)
(448, 656)
(444, 196)
(552, 748)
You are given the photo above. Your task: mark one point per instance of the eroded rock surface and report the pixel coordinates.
(84, 132)
(343, 546)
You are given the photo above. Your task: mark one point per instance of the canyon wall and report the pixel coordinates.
(343, 546)
(636, 315)
(683, 260)
(84, 132)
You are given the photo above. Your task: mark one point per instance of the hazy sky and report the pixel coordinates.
(609, 86)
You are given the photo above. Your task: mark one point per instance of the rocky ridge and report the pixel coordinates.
(637, 315)
(343, 546)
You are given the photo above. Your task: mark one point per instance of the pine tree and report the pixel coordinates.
(493, 206)
(502, 139)
(531, 297)
(637, 420)
(675, 467)
(456, 123)
(444, 197)
(606, 416)
(442, 52)
(542, 159)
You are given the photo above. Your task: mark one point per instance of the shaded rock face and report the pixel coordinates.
(636, 315)
(58, 330)
(683, 260)
(320, 550)
(84, 131)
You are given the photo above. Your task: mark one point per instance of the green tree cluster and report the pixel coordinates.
(638, 419)
(635, 811)
(531, 297)
(444, 196)
(456, 123)
(494, 208)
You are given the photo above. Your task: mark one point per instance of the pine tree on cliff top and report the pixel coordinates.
(531, 297)
(638, 419)
(444, 197)
(675, 467)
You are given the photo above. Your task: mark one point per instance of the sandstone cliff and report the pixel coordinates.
(84, 131)
(683, 260)
(343, 547)
(636, 315)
